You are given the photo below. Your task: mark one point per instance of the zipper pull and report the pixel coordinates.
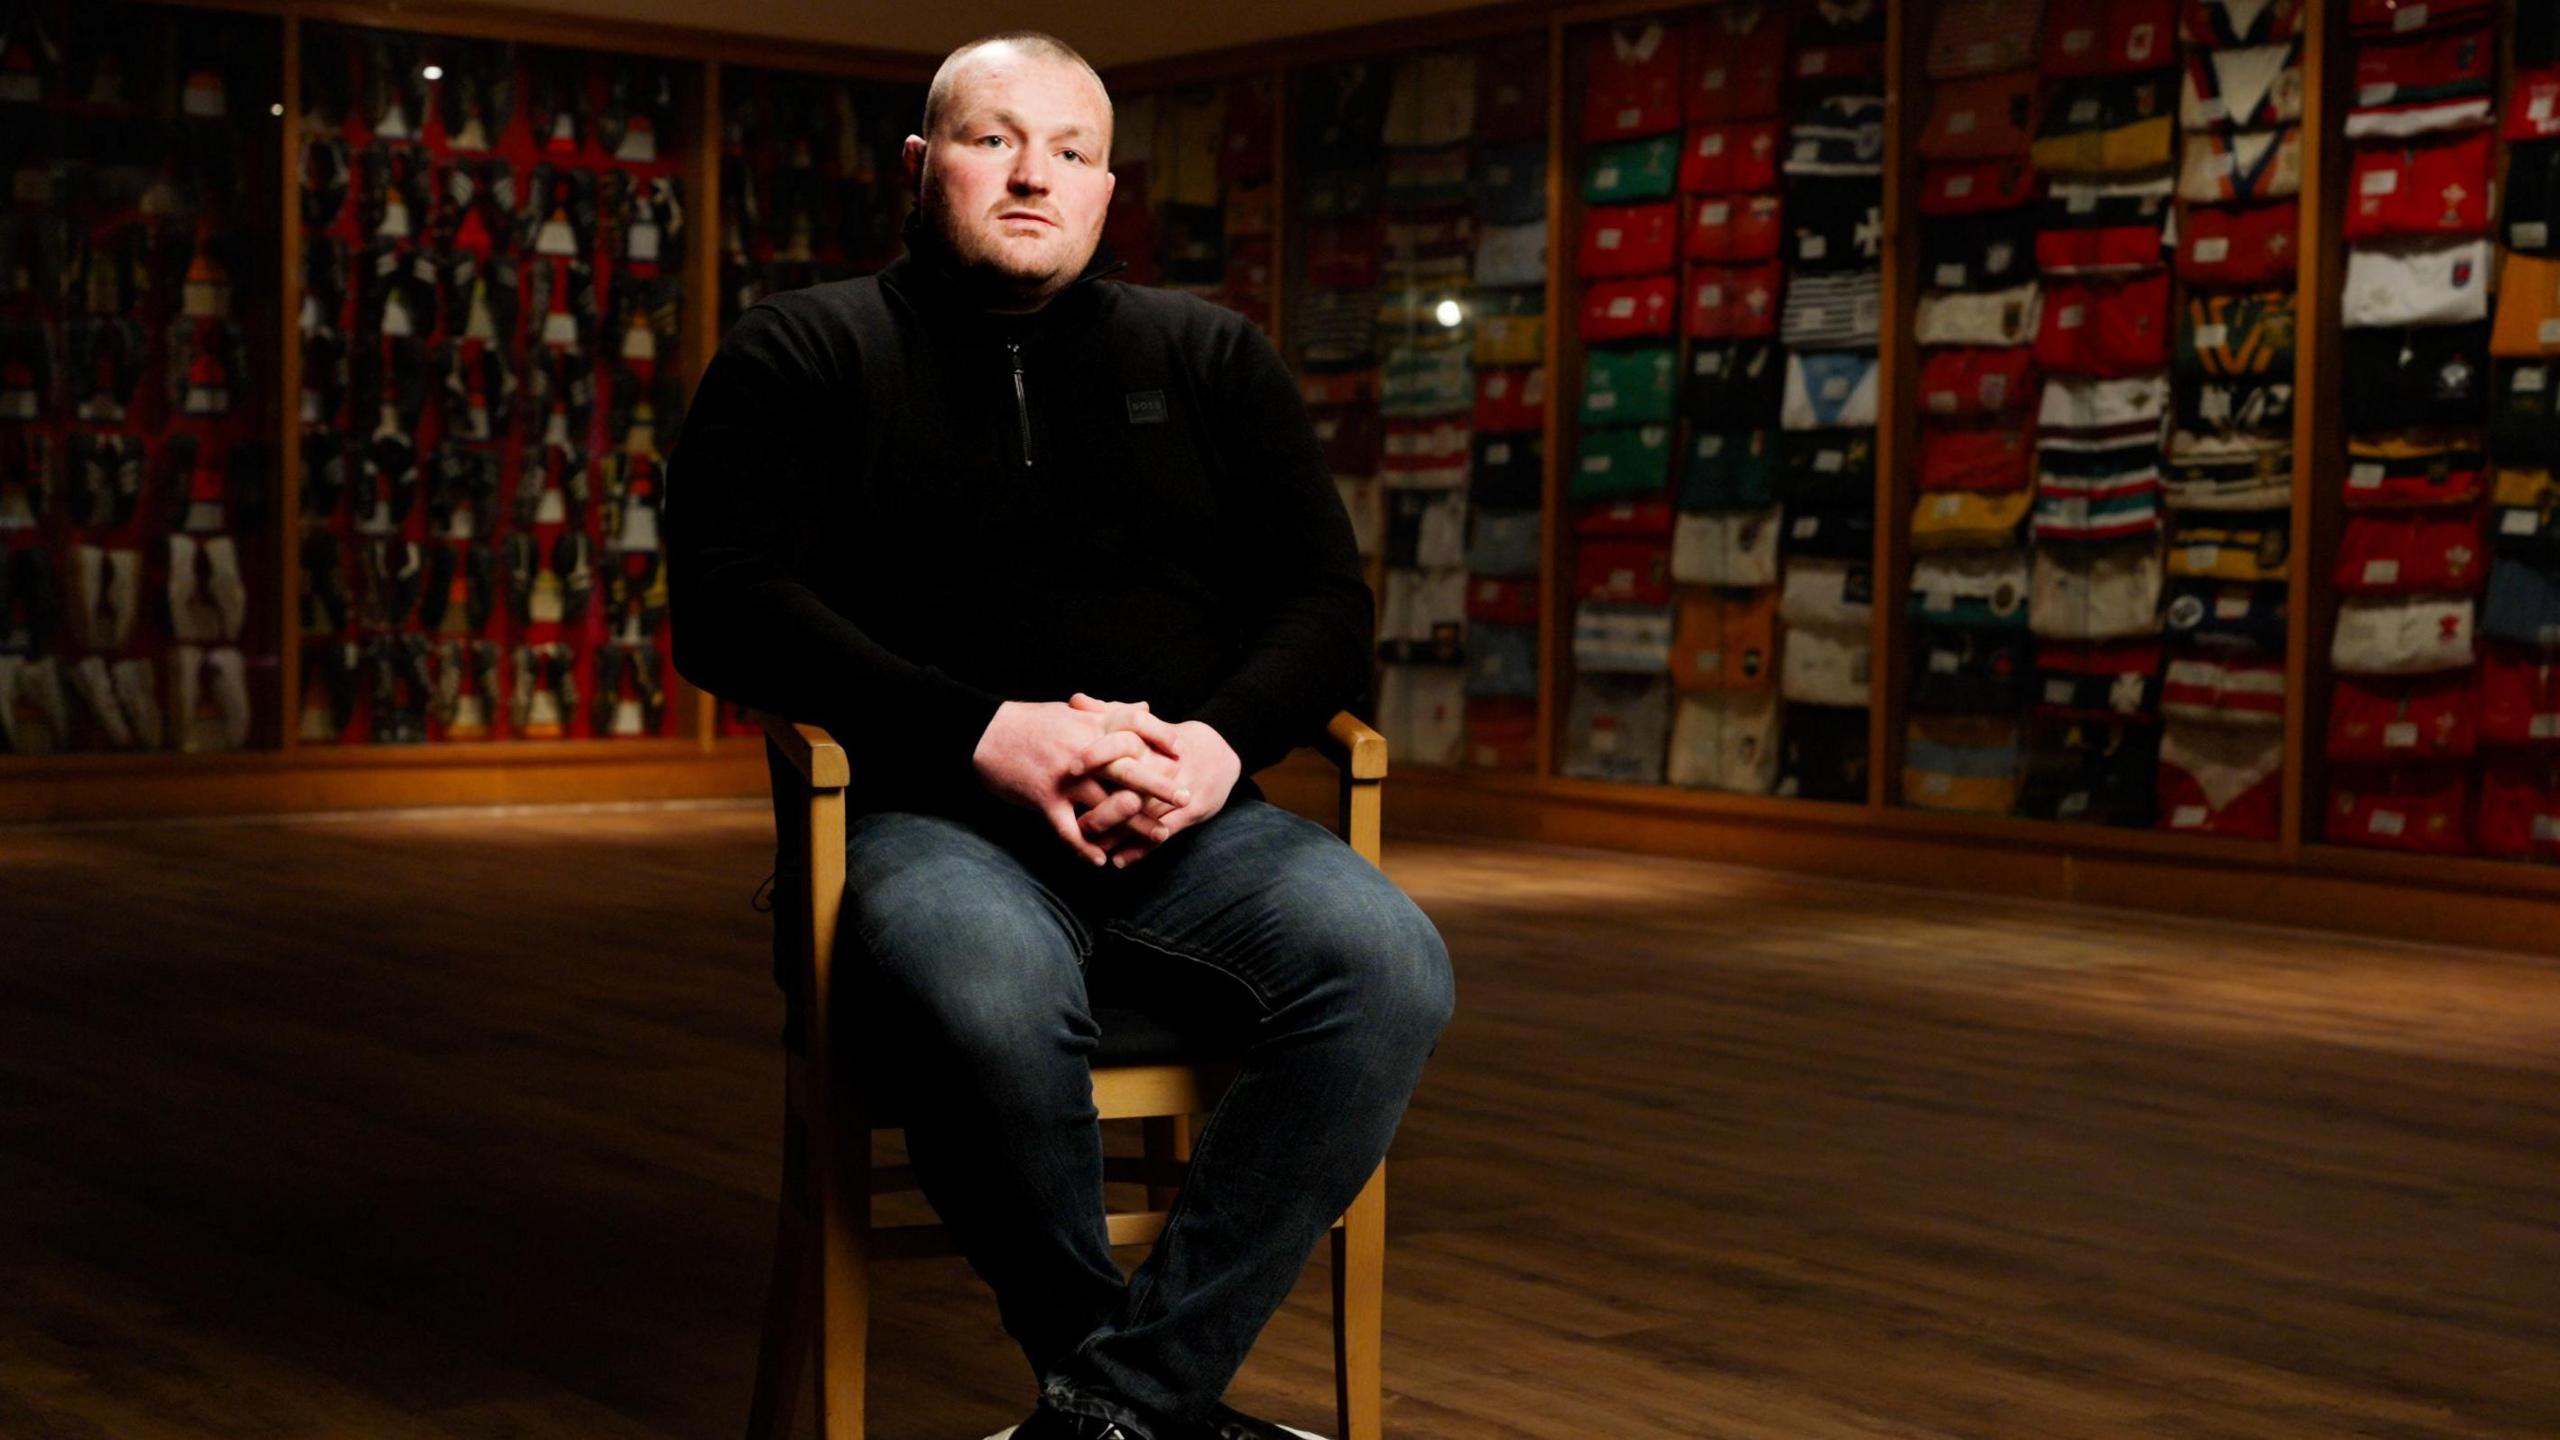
(1021, 402)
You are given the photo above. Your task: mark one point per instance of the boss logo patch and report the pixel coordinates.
(1147, 407)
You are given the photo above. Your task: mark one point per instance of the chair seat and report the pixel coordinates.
(1141, 1037)
(1129, 1037)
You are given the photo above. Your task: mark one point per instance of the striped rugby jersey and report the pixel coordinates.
(2225, 689)
(2433, 80)
(1835, 311)
(1838, 132)
(2239, 480)
(2094, 507)
(2103, 679)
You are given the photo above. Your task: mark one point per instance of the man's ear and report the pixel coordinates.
(911, 159)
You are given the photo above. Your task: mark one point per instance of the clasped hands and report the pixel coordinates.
(1114, 780)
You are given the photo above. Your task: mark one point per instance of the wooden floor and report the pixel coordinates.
(466, 1127)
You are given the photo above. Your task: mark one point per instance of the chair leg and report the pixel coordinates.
(1168, 1139)
(1359, 1313)
(844, 1284)
(790, 1307)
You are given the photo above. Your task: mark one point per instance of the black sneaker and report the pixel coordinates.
(1230, 1424)
(1048, 1424)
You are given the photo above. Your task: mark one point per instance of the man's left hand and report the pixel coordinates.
(1131, 825)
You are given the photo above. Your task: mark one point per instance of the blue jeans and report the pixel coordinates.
(975, 962)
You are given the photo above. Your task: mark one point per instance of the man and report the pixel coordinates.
(940, 510)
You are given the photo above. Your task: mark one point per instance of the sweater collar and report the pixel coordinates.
(926, 275)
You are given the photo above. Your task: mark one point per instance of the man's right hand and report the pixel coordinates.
(1039, 754)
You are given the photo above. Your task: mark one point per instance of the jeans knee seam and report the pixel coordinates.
(1138, 937)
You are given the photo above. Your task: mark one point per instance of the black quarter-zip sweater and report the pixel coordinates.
(890, 511)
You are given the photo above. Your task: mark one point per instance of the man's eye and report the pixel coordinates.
(990, 139)
(1075, 155)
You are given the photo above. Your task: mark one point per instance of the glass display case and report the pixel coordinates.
(1418, 328)
(139, 606)
(493, 242)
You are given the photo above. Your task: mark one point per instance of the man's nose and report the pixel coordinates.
(1030, 172)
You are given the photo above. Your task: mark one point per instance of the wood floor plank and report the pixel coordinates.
(432, 1127)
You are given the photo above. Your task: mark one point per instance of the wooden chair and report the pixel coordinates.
(825, 1239)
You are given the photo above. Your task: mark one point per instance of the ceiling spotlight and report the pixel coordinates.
(276, 109)
(1449, 314)
(433, 72)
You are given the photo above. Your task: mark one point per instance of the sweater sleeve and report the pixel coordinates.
(744, 503)
(1305, 608)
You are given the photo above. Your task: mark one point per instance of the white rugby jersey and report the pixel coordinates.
(1992, 317)
(1833, 594)
(2096, 592)
(1825, 665)
(2402, 634)
(2084, 409)
(1726, 741)
(1733, 547)
(2423, 282)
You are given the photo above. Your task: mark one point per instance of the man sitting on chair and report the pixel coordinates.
(939, 510)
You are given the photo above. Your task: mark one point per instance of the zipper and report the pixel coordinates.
(1021, 402)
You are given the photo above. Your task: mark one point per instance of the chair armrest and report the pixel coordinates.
(1359, 752)
(810, 750)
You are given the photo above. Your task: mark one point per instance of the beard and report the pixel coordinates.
(999, 270)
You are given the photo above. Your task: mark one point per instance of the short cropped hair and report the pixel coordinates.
(1030, 42)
